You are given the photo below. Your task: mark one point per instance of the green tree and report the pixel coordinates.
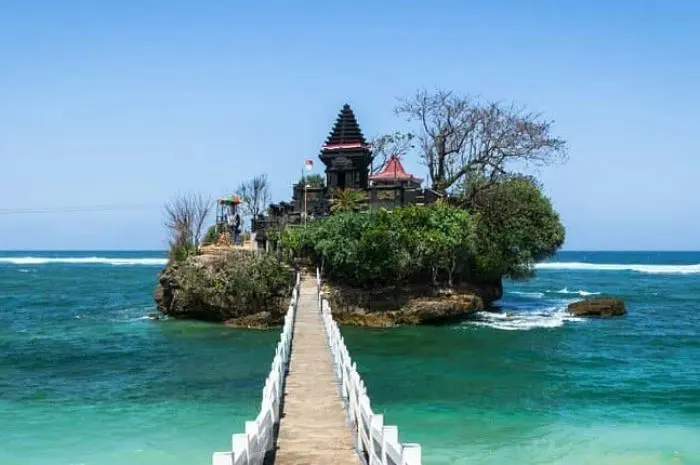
(515, 227)
(380, 247)
(510, 226)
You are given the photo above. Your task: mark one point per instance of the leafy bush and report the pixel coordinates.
(211, 236)
(507, 228)
(381, 247)
(179, 252)
(515, 227)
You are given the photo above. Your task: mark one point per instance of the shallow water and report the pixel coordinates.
(87, 378)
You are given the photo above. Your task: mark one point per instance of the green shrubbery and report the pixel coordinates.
(211, 236)
(235, 285)
(503, 231)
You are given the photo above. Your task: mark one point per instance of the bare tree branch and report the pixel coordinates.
(255, 195)
(185, 217)
(462, 139)
(387, 145)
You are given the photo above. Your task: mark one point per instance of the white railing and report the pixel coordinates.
(378, 443)
(250, 448)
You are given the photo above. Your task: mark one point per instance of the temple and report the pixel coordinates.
(347, 158)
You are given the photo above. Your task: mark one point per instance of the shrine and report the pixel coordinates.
(347, 158)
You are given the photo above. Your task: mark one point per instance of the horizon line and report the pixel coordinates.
(165, 250)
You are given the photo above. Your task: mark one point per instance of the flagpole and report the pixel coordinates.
(303, 180)
(307, 166)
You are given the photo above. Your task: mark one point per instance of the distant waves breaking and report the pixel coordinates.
(83, 261)
(652, 269)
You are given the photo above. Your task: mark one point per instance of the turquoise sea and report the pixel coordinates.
(87, 379)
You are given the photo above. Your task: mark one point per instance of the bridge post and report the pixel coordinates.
(411, 454)
(251, 431)
(375, 426)
(241, 445)
(222, 458)
(390, 434)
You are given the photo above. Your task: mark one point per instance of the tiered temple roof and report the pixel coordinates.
(346, 132)
(393, 171)
(347, 157)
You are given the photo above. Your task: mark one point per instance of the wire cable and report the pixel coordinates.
(76, 209)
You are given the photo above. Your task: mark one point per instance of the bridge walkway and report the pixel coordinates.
(314, 428)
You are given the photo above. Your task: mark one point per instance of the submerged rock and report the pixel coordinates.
(260, 320)
(599, 306)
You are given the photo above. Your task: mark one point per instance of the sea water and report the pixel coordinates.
(533, 385)
(87, 378)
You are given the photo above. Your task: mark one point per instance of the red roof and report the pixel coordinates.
(393, 171)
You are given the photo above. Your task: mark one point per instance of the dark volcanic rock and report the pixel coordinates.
(601, 307)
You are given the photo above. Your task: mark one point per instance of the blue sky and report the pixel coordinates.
(133, 102)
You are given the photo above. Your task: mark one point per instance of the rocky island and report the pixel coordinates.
(391, 252)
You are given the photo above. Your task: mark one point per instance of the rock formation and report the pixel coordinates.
(600, 307)
(408, 305)
(245, 289)
(240, 288)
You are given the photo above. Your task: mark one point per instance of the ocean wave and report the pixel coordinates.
(652, 269)
(551, 317)
(566, 290)
(83, 261)
(534, 295)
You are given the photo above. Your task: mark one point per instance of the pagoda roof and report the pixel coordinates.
(393, 171)
(346, 133)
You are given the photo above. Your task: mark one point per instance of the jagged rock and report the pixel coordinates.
(600, 307)
(408, 305)
(260, 320)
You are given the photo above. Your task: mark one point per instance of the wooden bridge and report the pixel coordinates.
(315, 408)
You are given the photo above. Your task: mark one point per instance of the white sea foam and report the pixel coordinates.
(653, 269)
(551, 317)
(83, 261)
(534, 295)
(582, 293)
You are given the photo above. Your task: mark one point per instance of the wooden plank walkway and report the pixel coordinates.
(314, 428)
